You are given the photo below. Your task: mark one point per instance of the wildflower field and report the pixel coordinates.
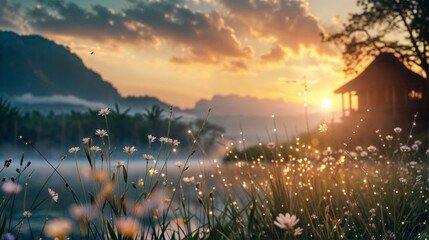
(161, 191)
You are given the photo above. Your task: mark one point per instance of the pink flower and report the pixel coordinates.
(286, 221)
(11, 188)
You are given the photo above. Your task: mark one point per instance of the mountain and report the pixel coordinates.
(251, 117)
(33, 64)
(234, 105)
(36, 73)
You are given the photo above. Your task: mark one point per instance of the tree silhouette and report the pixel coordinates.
(397, 26)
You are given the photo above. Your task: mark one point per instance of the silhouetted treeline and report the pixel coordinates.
(63, 130)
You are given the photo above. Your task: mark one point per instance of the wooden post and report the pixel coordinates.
(394, 104)
(350, 103)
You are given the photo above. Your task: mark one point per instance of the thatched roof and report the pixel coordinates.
(385, 70)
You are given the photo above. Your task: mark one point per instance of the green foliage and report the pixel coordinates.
(399, 27)
(63, 130)
(301, 192)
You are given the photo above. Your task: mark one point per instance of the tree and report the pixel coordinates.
(397, 26)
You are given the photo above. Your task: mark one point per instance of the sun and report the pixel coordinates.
(326, 103)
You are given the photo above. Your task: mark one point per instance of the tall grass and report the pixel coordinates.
(285, 192)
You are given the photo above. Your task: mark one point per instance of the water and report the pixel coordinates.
(40, 176)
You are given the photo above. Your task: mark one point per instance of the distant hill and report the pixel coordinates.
(36, 73)
(33, 64)
(233, 105)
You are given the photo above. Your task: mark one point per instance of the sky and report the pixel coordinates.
(182, 51)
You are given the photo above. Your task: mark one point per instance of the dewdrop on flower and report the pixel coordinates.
(74, 150)
(53, 194)
(104, 112)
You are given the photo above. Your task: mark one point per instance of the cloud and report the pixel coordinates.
(287, 23)
(204, 37)
(99, 24)
(10, 16)
(236, 66)
(57, 99)
(276, 55)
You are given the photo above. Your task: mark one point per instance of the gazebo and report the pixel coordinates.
(387, 88)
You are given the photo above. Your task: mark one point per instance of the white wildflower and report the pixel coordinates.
(389, 138)
(101, 133)
(104, 112)
(95, 149)
(404, 148)
(148, 157)
(130, 150)
(53, 194)
(27, 214)
(323, 128)
(397, 130)
(189, 179)
(179, 164)
(152, 171)
(86, 140)
(175, 142)
(151, 138)
(371, 149)
(119, 164)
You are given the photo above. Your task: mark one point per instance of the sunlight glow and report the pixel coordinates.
(326, 103)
